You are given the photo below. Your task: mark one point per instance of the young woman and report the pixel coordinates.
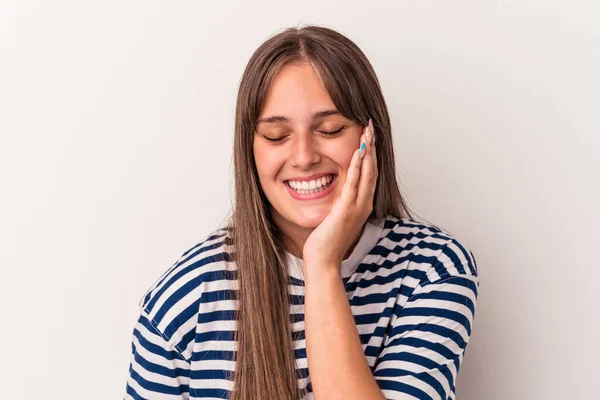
(321, 267)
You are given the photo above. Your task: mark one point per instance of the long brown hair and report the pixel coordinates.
(265, 362)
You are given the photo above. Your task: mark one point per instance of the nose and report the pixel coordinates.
(305, 151)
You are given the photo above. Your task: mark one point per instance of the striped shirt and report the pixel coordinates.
(412, 288)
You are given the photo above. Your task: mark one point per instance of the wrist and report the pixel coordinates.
(324, 270)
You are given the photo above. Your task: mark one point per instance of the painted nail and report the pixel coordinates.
(362, 149)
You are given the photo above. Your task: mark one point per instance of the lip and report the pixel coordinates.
(313, 196)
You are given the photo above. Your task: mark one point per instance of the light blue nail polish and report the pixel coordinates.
(362, 148)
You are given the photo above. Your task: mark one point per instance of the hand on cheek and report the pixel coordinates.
(329, 242)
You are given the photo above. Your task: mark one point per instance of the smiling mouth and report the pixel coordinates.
(313, 186)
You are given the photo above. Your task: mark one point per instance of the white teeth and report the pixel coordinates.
(308, 187)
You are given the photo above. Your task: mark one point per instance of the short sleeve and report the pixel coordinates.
(157, 370)
(427, 340)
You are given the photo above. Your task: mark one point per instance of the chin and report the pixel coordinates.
(309, 219)
(308, 223)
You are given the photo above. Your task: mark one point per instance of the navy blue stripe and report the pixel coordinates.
(437, 329)
(159, 369)
(421, 343)
(403, 388)
(208, 374)
(430, 312)
(158, 387)
(210, 393)
(213, 355)
(446, 296)
(417, 360)
(220, 315)
(300, 353)
(218, 295)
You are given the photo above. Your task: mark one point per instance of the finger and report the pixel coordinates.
(350, 189)
(374, 153)
(368, 174)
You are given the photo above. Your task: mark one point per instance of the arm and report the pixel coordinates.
(336, 361)
(157, 370)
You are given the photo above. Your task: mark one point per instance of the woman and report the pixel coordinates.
(322, 267)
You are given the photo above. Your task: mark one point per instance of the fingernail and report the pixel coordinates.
(362, 149)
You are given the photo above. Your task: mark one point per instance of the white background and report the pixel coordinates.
(116, 122)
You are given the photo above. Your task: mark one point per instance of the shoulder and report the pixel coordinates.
(175, 296)
(428, 248)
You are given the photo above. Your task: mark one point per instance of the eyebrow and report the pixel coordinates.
(280, 118)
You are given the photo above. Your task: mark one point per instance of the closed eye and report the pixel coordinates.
(333, 132)
(274, 139)
(324, 132)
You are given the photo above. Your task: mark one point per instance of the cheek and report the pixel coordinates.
(267, 162)
(343, 156)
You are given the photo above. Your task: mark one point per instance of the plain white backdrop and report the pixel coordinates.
(116, 123)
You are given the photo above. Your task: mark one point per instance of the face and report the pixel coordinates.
(302, 142)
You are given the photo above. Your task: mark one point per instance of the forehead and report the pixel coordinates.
(297, 93)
